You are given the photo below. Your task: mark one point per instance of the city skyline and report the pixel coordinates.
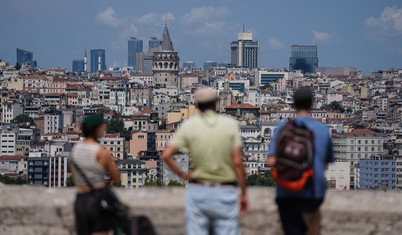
(346, 33)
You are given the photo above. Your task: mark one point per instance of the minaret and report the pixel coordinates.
(85, 61)
(99, 60)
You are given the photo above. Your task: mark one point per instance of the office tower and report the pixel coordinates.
(188, 65)
(166, 63)
(78, 65)
(85, 61)
(153, 44)
(303, 57)
(134, 46)
(208, 65)
(245, 52)
(24, 56)
(98, 57)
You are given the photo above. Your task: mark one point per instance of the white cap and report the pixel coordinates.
(205, 95)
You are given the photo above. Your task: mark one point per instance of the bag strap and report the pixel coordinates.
(82, 174)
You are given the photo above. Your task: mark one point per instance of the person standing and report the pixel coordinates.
(300, 211)
(214, 145)
(94, 162)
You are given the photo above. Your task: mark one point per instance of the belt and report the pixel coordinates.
(213, 184)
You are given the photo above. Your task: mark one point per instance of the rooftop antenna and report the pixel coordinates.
(244, 28)
(165, 19)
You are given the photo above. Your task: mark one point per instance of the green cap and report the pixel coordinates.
(92, 120)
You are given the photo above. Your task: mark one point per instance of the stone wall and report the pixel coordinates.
(36, 210)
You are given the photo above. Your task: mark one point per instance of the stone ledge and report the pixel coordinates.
(36, 210)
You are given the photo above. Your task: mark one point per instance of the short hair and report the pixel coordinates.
(303, 98)
(206, 106)
(90, 125)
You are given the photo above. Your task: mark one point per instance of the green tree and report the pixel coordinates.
(261, 179)
(349, 110)
(175, 183)
(117, 126)
(154, 183)
(205, 82)
(17, 66)
(23, 118)
(70, 181)
(7, 180)
(335, 105)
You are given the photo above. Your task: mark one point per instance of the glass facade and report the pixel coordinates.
(95, 53)
(153, 43)
(24, 56)
(148, 61)
(134, 46)
(303, 57)
(78, 66)
(268, 78)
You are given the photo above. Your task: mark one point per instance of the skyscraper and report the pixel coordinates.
(153, 44)
(24, 56)
(134, 46)
(166, 63)
(303, 57)
(95, 62)
(78, 65)
(245, 52)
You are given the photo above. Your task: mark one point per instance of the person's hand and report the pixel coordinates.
(243, 205)
(187, 176)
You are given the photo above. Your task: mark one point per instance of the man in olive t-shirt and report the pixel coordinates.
(214, 144)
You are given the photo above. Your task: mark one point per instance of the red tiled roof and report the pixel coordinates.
(112, 135)
(242, 106)
(13, 158)
(362, 132)
(146, 111)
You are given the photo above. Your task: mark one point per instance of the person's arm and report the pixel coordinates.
(167, 157)
(107, 161)
(241, 177)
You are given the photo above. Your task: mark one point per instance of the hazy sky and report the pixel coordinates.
(362, 33)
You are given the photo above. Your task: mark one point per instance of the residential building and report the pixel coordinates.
(13, 164)
(58, 171)
(133, 173)
(115, 144)
(245, 52)
(339, 71)
(338, 175)
(7, 142)
(304, 58)
(53, 121)
(38, 169)
(378, 172)
(183, 162)
(10, 110)
(25, 138)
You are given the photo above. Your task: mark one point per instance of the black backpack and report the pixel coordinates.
(294, 153)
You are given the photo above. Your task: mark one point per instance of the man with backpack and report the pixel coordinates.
(214, 145)
(299, 152)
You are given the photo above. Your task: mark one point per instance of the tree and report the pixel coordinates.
(23, 118)
(17, 66)
(261, 179)
(205, 83)
(117, 126)
(8, 180)
(349, 110)
(70, 181)
(154, 183)
(335, 105)
(175, 183)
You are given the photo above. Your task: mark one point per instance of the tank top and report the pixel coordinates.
(84, 155)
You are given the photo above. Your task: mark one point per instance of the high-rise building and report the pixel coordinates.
(98, 60)
(245, 52)
(166, 63)
(153, 44)
(24, 56)
(304, 58)
(188, 65)
(208, 65)
(78, 65)
(134, 46)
